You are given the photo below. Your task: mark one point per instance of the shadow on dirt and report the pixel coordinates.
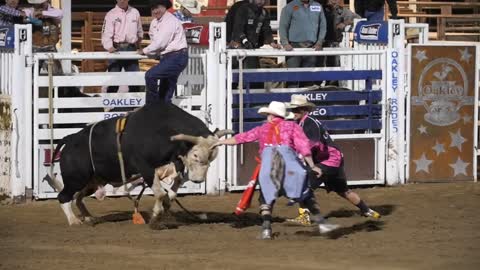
(367, 226)
(384, 210)
(181, 218)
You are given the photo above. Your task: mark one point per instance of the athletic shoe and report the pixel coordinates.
(327, 227)
(266, 234)
(303, 218)
(372, 213)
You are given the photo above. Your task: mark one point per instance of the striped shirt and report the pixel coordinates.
(9, 16)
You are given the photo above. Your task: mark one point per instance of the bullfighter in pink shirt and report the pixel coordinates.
(283, 145)
(327, 157)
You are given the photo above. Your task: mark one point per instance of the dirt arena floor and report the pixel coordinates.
(424, 226)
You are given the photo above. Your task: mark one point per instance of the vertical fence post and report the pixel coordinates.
(216, 100)
(21, 166)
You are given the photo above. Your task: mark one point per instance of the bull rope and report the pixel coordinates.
(90, 145)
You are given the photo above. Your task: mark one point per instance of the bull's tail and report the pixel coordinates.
(52, 179)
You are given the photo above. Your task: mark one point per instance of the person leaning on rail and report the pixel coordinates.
(122, 31)
(302, 25)
(10, 14)
(281, 143)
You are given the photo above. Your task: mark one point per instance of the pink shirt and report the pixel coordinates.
(51, 12)
(167, 35)
(320, 142)
(121, 26)
(291, 135)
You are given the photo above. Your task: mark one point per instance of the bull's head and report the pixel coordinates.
(204, 151)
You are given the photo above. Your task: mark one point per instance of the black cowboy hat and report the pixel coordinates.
(155, 3)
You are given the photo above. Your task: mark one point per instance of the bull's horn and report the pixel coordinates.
(183, 137)
(223, 132)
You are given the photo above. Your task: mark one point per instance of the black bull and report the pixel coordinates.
(153, 137)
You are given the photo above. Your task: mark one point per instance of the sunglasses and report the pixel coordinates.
(298, 110)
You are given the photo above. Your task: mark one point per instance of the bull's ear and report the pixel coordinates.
(183, 159)
(215, 145)
(213, 154)
(183, 137)
(223, 132)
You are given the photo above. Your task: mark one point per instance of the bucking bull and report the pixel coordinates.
(154, 139)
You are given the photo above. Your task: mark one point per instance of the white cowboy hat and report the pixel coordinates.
(35, 2)
(276, 108)
(299, 101)
(194, 6)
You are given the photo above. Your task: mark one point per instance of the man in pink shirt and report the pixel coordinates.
(169, 43)
(122, 31)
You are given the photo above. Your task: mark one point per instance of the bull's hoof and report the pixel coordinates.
(74, 221)
(92, 221)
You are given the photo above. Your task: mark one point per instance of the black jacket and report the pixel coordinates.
(250, 22)
(374, 5)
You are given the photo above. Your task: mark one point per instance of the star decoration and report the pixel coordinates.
(438, 148)
(459, 167)
(422, 129)
(457, 140)
(422, 164)
(421, 55)
(467, 119)
(465, 55)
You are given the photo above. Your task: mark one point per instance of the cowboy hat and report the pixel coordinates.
(166, 3)
(194, 6)
(276, 108)
(36, 2)
(300, 101)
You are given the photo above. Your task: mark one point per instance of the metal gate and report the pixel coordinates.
(70, 114)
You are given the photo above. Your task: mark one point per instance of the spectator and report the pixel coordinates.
(280, 142)
(169, 42)
(338, 19)
(302, 25)
(184, 11)
(250, 28)
(10, 14)
(327, 157)
(45, 21)
(122, 31)
(374, 10)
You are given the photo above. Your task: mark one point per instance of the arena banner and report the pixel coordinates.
(371, 32)
(196, 34)
(442, 80)
(7, 38)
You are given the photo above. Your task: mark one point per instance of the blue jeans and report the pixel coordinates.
(301, 61)
(375, 15)
(167, 72)
(127, 65)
